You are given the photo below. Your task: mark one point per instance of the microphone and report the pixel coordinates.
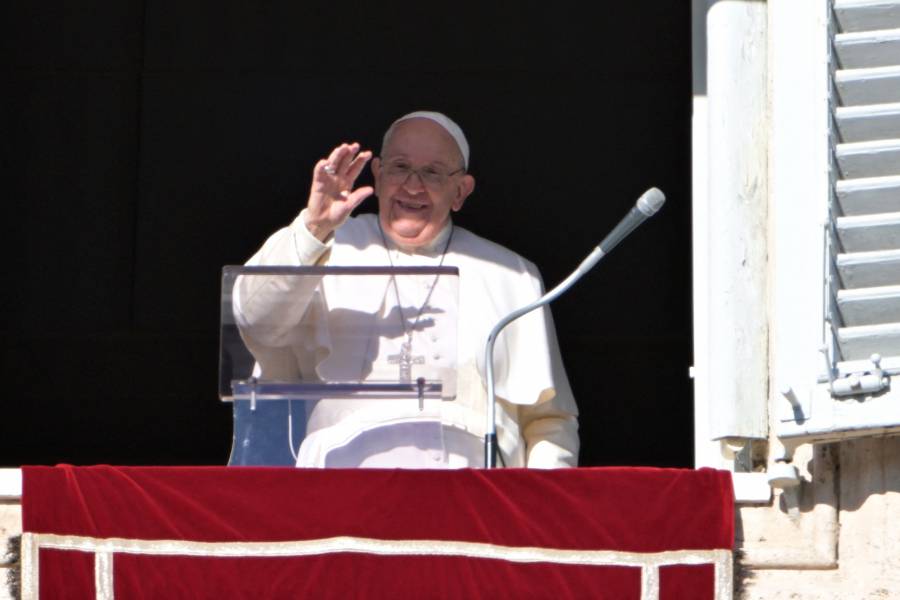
(647, 205)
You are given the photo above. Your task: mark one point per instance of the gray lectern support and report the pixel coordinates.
(310, 356)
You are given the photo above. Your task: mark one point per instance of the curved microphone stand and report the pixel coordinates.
(647, 206)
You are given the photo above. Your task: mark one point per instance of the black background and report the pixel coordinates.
(145, 144)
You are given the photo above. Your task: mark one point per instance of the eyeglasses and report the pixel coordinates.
(431, 177)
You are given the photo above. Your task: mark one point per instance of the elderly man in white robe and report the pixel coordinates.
(420, 178)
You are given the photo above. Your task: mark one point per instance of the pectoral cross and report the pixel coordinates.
(406, 360)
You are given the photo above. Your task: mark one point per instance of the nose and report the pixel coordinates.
(414, 183)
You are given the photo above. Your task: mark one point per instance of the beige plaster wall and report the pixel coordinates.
(10, 526)
(838, 537)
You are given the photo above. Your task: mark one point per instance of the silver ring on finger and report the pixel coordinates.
(330, 170)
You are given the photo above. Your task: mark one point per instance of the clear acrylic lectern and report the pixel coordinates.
(312, 356)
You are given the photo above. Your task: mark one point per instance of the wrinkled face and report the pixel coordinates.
(419, 179)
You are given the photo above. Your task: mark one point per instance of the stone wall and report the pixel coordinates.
(837, 537)
(10, 530)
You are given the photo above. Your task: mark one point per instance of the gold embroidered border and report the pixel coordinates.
(105, 548)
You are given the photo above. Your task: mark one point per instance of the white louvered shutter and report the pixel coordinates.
(856, 387)
(864, 303)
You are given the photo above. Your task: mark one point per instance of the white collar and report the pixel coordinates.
(435, 248)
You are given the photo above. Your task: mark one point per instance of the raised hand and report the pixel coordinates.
(332, 197)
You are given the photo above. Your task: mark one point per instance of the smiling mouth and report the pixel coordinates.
(411, 205)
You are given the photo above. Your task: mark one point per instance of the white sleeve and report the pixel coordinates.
(551, 435)
(267, 308)
(293, 245)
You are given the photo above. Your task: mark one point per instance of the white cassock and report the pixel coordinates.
(536, 414)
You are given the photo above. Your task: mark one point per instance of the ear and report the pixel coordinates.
(464, 188)
(375, 165)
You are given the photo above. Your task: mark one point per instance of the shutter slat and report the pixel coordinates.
(869, 159)
(870, 306)
(868, 86)
(869, 269)
(869, 122)
(869, 232)
(859, 343)
(868, 196)
(856, 15)
(868, 49)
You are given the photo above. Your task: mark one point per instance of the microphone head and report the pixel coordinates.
(651, 201)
